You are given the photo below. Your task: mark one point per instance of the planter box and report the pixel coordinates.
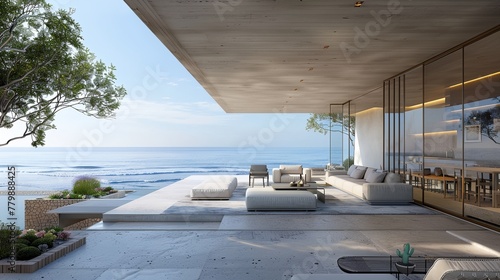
(44, 259)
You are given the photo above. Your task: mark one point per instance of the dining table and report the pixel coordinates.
(495, 188)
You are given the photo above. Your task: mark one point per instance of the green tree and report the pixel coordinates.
(45, 68)
(325, 123)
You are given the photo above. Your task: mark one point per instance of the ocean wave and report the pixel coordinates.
(114, 172)
(87, 167)
(112, 182)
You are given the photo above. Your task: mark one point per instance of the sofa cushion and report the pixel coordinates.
(393, 178)
(287, 178)
(369, 171)
(358, 173)
(351, 169)
(387, 193)
(376, 177)
(291, 169)
(347, 184)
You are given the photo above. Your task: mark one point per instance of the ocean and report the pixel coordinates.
(139, 169)
(136, 168)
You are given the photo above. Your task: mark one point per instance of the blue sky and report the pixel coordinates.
(165, 105)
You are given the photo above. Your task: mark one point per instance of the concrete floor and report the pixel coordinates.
(259, 245)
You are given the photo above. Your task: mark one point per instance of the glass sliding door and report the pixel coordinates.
(442, 130)
(413, 130)
(387, 120)
(394, 125)
(481, 128)
(441, 164)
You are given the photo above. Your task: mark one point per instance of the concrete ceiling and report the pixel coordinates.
(299, 56)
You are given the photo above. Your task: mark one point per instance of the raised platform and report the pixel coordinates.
(173, 204)
(277, 245)
(93, 208)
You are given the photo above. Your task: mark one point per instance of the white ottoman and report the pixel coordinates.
(270, 199)
(216, 187)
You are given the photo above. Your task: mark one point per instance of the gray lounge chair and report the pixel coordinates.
(258, 171)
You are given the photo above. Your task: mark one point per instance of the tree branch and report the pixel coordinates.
(25, 134)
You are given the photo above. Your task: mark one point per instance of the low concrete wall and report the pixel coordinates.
(36, 216)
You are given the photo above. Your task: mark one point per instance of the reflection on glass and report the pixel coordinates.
(442, 120)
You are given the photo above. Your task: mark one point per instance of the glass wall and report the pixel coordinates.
(348, 137)
(336, 136)
(368, 120)
(481, 123)
(394, 92)
(412, 130)
(442, 130)
(342, 134)
(441, 119)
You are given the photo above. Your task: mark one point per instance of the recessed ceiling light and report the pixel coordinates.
(358, 4)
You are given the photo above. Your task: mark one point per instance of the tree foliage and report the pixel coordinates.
(486, 120)
(45, 68)
(325, 123)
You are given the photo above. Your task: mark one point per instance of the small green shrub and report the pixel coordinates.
(76, 196)
(23, 241)
(50, 235)
(86, 186)
(30, 237)
(20, 246)
(4, 243)
(53, 229)
(5, 235)
(4, 238)
(59, 195)
(45, 240)
(28, 253)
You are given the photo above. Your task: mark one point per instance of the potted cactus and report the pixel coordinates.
(405, 266)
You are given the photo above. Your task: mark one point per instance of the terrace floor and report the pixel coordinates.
(165, 235)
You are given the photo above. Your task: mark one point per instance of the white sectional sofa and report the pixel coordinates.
(216, 187)
(372, 185)
(290, 173)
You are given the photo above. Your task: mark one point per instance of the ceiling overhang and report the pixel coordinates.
(263, 56)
